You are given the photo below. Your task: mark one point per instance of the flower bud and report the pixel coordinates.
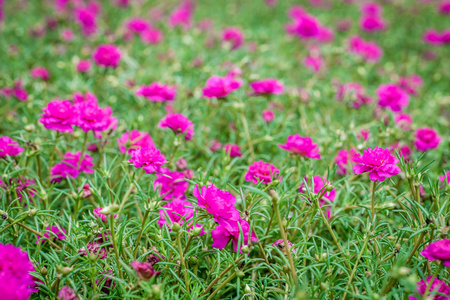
(176, 227)
(247, 289)
(92, 257)
(108, 210)
(63, 270)
(245, 249)
(43, 271)
(240, 274)
(156, 290)
(328, 188)
(32, 212)
(196, 231)
(193, 260)
(285, 268)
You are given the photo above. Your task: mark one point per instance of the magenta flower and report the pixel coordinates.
(379, 162)
(157, 92)
(59, 115)
(401, 149)
(353, 93)
(426, 139)
(16, 282)
(9, 147)
(17, 91)
(306, 26)
(363, 134)
(87, 19)
(176, 211)
(313, 63)
(40, 73)
(403, 121)
(269, 86)
(66, 293)
(372, 23)
(56, 233)
(268, 115)
(369, 51)
(152, 36)
(179, 125)
(94, 248)
(90, 116)
(229, 229)
(182, 15)
(181, 164)
(444, 7)
(71, 166)
(21, 186)
(134, 139)
(319, 183)
(280, 245)
(411, 84)
(149, 159)
(392, 97)
(432, 37)
(234, 36)
(106, 283)
(437, 286)
(84, 66)
(137, 25)
(438, 250)
(220, 87)
(100, 216)
(232, 150)
(342, 160)
(107, 56)
(261, 171)
(217, 202)
(171, 185)
(446, 179)
(302, 146)
(144, 270)
(215, 145)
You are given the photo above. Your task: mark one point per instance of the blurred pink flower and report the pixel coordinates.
(87, 18)
(444, 7)
(363, 134)
(94, 248)
(220, 87)
(372, 23)
(100, 216)
(9, 147)
(179, 125)
(280, 245)
(403, 121)
(182, 15)
(402, 149)
(379, 162)
(369, 51)
(66, 293)
(56, 233)
(269, 86)
(268, 115)
(134, 139)
(144, 270)
(137, 25)
(152, 36)
(71, 166)
(234, 36)
(216, 145)
(313, 63)
(302, 146)
(411, 84)
(157, 92)
(40, 73)
(446, 179)
(392, 97)
(261, 171)
(84, 66)
(426, 139)
(232, 150)
(148, 158)
(171, 185)
(107, 56)
(21, 186)
(432, 37)
(59, 115)
(353, 93)
(342, 160)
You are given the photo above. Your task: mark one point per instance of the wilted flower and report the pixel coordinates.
(232, 150)
(56, 232)
(426, 139)
(144, 270)
(171, 185)
(40, 73)
(134, 139)
(59, 115)
(106, 283)
(379, 162)
(234, 36)
(261, 171)
(157, 92)
(269, 86)
(302, 146)
(21, 186)
(148, 158)
(220, 87)
(229, 229)
(71, 166)
(66, 293)
(217, 202)
(179, 125)
(9, 147)
(107, 56)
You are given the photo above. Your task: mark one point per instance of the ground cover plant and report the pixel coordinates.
(224, 149)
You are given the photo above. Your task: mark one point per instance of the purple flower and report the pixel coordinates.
(171, 185)
(439, 250)
(269, 86)
(392, 97)
(8, 147)
(59, 115)
(438, 286)
(234, 36)
(217, 202)
(445, 179)
(66, 293)
(176, 211)
(56, 233)
(71, 166)
(144, 270)
(157, 92)
(379, 162)
(106, 283)
(229, 229)
(232, 150)
(134, 139)
(107, 56)
(94, 248)
(149, 159)
(261, 171)
(426, 139)
(220, 87)
(179, 125)
(302, 146)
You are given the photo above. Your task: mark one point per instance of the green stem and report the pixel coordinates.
(222, 285)
(430, 284)
(247, 134)
(211, 285)
(116, 250)
(136, 245)
(182, 262)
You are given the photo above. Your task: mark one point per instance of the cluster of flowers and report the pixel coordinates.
(372, 19)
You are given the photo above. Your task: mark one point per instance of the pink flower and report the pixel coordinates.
(66, 293)
(176, 211)
(71, 166)
(100, 216)
(411, 84)
(307, 26)
(437, 286)
(426, 139)
(16, 282)
(280, 245)
(152, 36)
(137, 25)
(94, 248)
(369, 51)
(403, 121)
(261, 171)
(179, 125)
(182, 15)
(379, 162)
(432, 37)
(148, 158)
(371, 9)
(354, 93)
(90, 116)
(402, 149)
(17, 91)
(302, 146)
(313, 63)
(217, 202)
(59, 115)
(40, 73)
(326, 35)
(87, 97)
(444, 7)
(9, 147)
(157, 92)
(86, 191)
(268, 115)
(106, 283)
(234, 36)
(216, 145)
(342, 160)
(232, 150)
(144, 270)
(87, 19)
(171, 185)
(107, 56)
(317, 188)
(21, 187)
(220, 87)
(84, 66)
(438, 250)
(364, 134)
(446, 179)
(56, 232)
(392, 97)
(67, 35)
(269, 86)
(229, 229)
(372, 23)
(134, 139)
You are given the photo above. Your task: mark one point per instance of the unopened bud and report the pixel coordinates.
(240, 274)
(245, 249)
(63, 270)
(247, 289)
(92, 257)
(43, 271)
(108, 210)
(32, 212)
(156, 290)
(274, 195)
(176, 227)
(196, 231)
(285, 268)
(328, 188)
(193, 260)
